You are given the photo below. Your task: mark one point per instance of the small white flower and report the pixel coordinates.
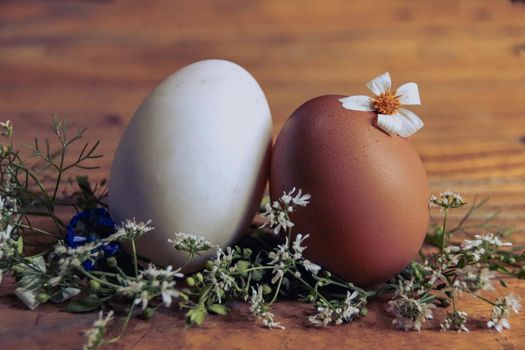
(350, 310)
(472, 279)
(259, 309)
(150, 283)
(386, 103)
(95, 335)
(410, 313)
(322, 318)
(490, 238)
(446, 200)
(189, 243)
(131, 230)
(301, 199)
(277, 214)
(218, 272)
(456, 320)
(297, 247)
(310, 266)
(502, 310)
(513, 302)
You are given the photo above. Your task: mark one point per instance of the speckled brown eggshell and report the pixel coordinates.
(369, 209)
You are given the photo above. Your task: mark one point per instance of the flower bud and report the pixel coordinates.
(363, 312)
(94, 284)
(242, 265)
(111, 261)
(443, 302)
(42, 298)
(266, 289)
(148, 313)
(199, 277)
(247, 253)
(190, 281)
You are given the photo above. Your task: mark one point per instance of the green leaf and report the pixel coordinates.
(219, 309)
(89, 303)
(65, 294)
(242, 266)
(28, 296)
(256, 275)
(196, 316)
(83, 184)
(20, 245)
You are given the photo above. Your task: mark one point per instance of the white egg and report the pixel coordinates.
(194, 158)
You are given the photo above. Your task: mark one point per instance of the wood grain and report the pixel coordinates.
(96, 60)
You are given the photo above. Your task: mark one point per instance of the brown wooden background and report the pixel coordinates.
(96, 60)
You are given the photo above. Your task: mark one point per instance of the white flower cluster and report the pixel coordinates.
(481, 245)
(407, 287)
(190, 243)
(456, 320)
(282, 258)
(259, 309)
(447, 200)
(6, 128)
(277, 214)
(95, 335)
(344, 312)
(502, 310)
(8, 244)
(151, 283)
(410, 313)
(72, 258)
(218, 272)
(131, 230)
(473, 279)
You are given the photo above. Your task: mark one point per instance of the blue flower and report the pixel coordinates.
(90, 226)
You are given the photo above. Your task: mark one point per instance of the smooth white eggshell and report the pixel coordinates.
(194, 158)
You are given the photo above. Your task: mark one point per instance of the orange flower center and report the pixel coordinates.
(387, 103)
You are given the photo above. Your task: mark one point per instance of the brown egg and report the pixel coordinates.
(368, 213)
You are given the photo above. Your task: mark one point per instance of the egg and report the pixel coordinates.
(369, 212)
(194, 158)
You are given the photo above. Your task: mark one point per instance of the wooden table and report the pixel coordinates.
(96, 60)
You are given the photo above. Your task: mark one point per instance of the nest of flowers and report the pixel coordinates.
(87, 269)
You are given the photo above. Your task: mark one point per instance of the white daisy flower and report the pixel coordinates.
(386, 103)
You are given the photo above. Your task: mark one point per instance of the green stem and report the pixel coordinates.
(120, 272)
(88, 274)
(486, 300)
(188, 259)
(124, 326)
(444, 237)
(253, 269)
(49, 201)
(135, 262)
(60, 172)
(103, 273)
(276, 291)
(313, 289)
(32, 228)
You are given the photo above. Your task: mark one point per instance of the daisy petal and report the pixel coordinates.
(380, 84)
(390, 124)
(357, 103)
(410, 122)
(408, 94)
